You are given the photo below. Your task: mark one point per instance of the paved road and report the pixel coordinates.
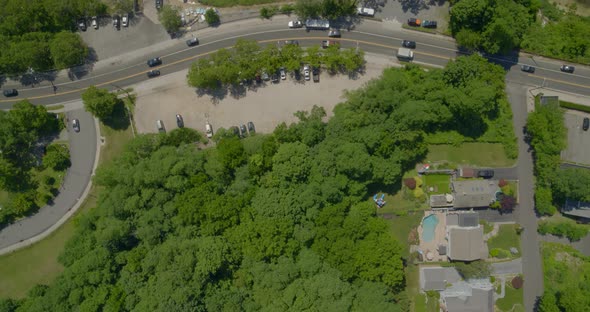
(508, 267)
(82, 151)
(525, 213)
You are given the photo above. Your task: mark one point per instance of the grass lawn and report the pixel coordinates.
(37, 264)
(43, 188)
(506, 238)
(513, 298)
(439, 182)
(476, 154)
(400, 227)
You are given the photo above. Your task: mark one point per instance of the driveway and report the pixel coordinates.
(508, 267)
(82, 154)
(578, 140)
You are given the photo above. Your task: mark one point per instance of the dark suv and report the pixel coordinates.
(486, 174)
(527, 68)
(192, 42)
(586, 124)
(567, 68)
(154, 62)
(409, 44)
(10, 92)
(429, 24)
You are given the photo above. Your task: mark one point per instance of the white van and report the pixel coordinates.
(362, 11)
(160, 125)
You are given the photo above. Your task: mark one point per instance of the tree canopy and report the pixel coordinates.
(100, 102)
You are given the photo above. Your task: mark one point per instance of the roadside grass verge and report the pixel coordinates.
(476, 154)
(37, 264)
(506, 238)
(574, 106)
(54, 107)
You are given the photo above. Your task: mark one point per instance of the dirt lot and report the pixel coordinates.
(268, 105)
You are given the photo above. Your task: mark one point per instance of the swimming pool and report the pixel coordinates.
(428, 225)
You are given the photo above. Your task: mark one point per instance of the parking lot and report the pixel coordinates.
(266, 106)
(401, 10)
(578, 140)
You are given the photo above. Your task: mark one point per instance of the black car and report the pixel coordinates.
(154, 62)
(10, 92)
(159, 4)
(251, 128)
(76, 125)
(243, 132)
(334, 33)
(429, 24)
(192, 42)
(316, 74)
(116, 21)
(527, 68)
(567, 68)
(275, 77)
(235, 130)
(586, 124)
(82, 24)
(179, 121)
(297, 74)
(153, 73)
(486, 174)
(409, 44)
(258, 79)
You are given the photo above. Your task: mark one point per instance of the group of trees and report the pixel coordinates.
(275, 222)
(38, 34)
(499, 26)
(21, 130)
(248, 59)
(169, 16)
(100, 102)
(330, 9)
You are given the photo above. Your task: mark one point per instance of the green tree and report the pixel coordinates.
(100, 102)
(57, 157)
(231, 153)
(211, 17)
(170, 18)
(468, 38)
(67, 49)
(23, 203)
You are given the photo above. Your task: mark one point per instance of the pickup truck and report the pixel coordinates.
(405, 54)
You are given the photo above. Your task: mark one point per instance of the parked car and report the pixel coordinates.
(160, 126)
(429, 24)
(334, 33)
(329, 43)
(243, 131)
(275, 78)
(258, 78)
(82, 24)
(567, 68)
(10, 92)
(192, 42)
(154, 62)
(153, 73)
(414, 22)
(297, 74)
(208, 130)
(125, 20)
(159, 4)
(295, 24)
(235, 130)
(251, 128)
(365, 11)
(486, 174)
(527, 68)
(316, 74)
(94, 22)
(265, 76)
(409, 44)
(283, 73)
(306, 72)
(116, 21)
(76, 125)
(586, 124)
(179, 121)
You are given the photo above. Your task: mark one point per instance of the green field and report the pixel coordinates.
(37, 264)
(476, 154)
(506, 238)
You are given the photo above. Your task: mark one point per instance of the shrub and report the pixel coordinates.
(410, 183)
(517, 282)
(492, 279)
(419, 181)
(287, 9)
(211, 17)
(494, 252)
(502, 183)
(507, 204)
(418, 192)
(570, 230)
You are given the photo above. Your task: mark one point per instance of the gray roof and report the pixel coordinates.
(439, 201)
(466, 243)
(437, 278)
(469, 297)
(469, 219)
(452, 219)
(474, 193)
(576, 208)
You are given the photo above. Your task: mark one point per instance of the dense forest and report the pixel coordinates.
(272, 222)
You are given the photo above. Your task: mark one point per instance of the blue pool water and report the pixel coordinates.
(429, 224)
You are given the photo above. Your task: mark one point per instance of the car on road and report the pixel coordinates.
(306, 72)
(243, 131)
(192, 42)
(76, 125)
(179, 121)
(329, 43)
(153, 73)
(586, 124)
(414, 22)
(208, 130)
(527, 68)
(316, 74)
(94, 22)
(409, 44)
(10, 92)
(429, 24)
(154, 62)
(125, 20)
(116, 21)
(251, 128)
(82, 24)
(486, 174)
(283, 73)
(295, 24)
(567, 68)
(362, 11)
(159, 4)
(334, 33)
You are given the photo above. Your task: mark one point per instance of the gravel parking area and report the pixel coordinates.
(578, 140)
(267, 106)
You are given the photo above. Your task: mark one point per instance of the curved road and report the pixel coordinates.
(370, 36)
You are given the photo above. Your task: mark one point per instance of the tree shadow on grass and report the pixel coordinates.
(119, 120)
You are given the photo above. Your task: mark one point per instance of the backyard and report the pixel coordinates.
(506, 238)
(475, 154)
(512, 300)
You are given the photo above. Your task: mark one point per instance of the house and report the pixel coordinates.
(437, 278)
(465, 237)
(468, 296)
(576, 208)
(474, 193)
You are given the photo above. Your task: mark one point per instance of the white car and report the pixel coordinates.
(306, 72)
(283, 74)
(94, 22)
(295, 24)
(208, 130)
(125, 20)
(366, 12)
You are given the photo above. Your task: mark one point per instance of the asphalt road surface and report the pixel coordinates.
(82, 151)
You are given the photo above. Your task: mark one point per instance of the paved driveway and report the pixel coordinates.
(508, 267)
(578, 140)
